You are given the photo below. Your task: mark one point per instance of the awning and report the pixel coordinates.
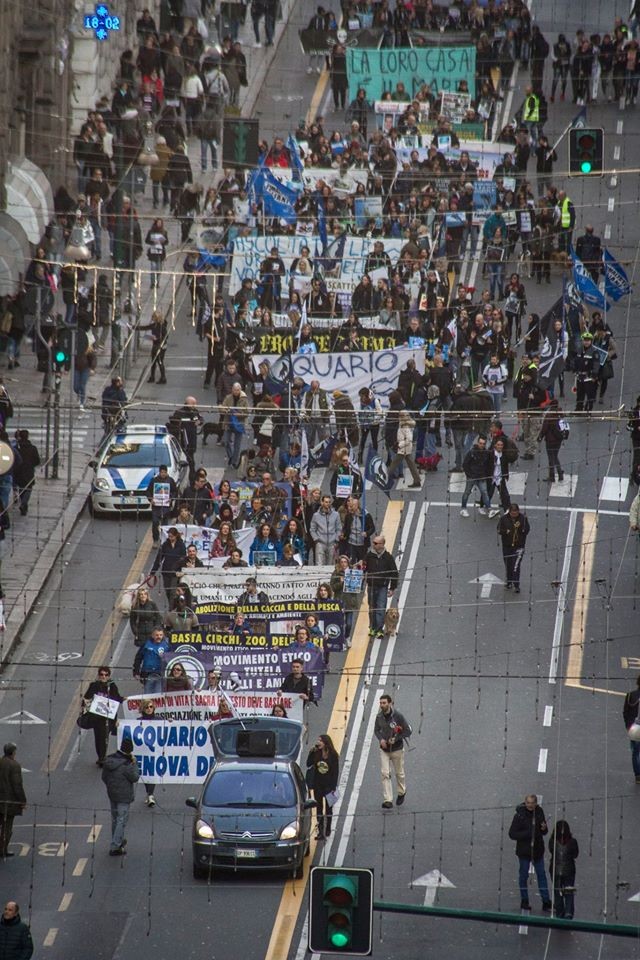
(15, 254)
(29, 197)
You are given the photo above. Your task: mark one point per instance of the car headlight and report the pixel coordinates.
(204, 830)
(102, 484)
(290, 832)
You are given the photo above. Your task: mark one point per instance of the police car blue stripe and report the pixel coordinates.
(118, 482)
(146, 480)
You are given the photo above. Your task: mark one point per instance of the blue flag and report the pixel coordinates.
(376, 472)
(255, 185)
(616, 281)
(297, 165)
(589, 292)
(278, 199)
(580, 118)
(322, 223)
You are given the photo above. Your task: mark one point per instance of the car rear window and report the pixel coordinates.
(132, 454)
(250, 788)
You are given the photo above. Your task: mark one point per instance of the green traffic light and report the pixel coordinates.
(60, 356)
(340, 939)
(585, 166)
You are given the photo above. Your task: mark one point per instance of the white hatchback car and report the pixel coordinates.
(126, 463)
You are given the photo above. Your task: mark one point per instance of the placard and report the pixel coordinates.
(379, 70)
(104, 707)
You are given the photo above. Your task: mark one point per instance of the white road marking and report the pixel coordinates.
(406, 528)
(79, 868)
(541, 508)
(65, 902)
(564, 488)
(562, 598)
(432, 882)
(614, 488)
(548, 716)
(517, 483)
(50, 938)
(488, 581)
(611, 204)
(619, 126)
(607, 231)
(22, 718)
(403, 483)
(542, 760)
(616, 153)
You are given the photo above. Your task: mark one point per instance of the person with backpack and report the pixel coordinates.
(563, 848)
(554, 431)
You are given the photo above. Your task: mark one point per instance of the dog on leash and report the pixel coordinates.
(391, 619)
(211, 430)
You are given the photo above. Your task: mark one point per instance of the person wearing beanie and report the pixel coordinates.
(119, 774)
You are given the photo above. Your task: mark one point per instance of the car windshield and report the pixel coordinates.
(287, 734)
(250, 788)
(135, 454)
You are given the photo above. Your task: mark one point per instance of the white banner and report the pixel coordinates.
(299, 583)
(202, 538)
(484, 154)
(348, 372)
(169, 752)
(204, 706)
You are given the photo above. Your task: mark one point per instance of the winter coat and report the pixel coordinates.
(514, 531)
(24, 470)
(634, 512)
(631, 706)
(391, 726)
(12, 795)
(562, 865)
(144, 619)
(148, 659)
(478, 464)
(325, 528)
(323, 774)
(550, 432)
(119, 774)
(404, 442)
(381, 570)
(528, 827)
(170, 558)
(15, 939)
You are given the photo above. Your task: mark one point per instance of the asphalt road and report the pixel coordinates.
(507, 694)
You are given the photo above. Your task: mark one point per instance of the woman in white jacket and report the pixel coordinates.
(404, 448)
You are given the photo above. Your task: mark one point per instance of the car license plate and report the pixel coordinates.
(244, 853)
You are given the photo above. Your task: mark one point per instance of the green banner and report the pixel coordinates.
(380, 70)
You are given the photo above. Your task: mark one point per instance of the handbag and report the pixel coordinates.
(85, 720)
(633, 732)
(332, 797)
(235, 424)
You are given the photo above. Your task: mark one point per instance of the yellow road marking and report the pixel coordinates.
(293, 893)
(65, 902)
(78, 870)
(586, 560)
(50, 938)
(318, 94)
(94, 833)
(61, 739)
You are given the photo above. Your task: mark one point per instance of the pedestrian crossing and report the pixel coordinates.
(87, 432)
(518, 482)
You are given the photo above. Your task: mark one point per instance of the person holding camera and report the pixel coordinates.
(391, 730)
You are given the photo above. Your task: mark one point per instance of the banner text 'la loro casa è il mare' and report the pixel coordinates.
(377, 71)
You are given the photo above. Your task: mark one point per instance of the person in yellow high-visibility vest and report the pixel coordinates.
(531, 115)
(565, 219)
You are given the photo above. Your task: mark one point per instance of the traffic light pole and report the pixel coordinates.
(72, 373)
(55, 460)
(512, 919)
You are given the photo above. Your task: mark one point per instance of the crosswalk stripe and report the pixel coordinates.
(564, 488)
(614, 488)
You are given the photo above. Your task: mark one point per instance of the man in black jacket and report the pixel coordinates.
(162, 494)
(589, 250)
(478, 468)
(390, 730)
(382, 581)
(15, 935)
(528, 827)
(119, 774)
(631, 715)
(513, 528)
(183, 425)
(24, 469)
(298, 682)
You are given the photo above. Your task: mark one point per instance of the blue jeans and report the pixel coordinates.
(462, 442)
(232, 441)
(6, 490)
(635, 756)
(203, 154)
(482, 487)
(563, 903)
(80, 380)
(153, 683)
(119, 817)
(496, 399)
(523, 873)
(377, 607)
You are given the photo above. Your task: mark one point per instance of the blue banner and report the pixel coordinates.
(278, 199)
(616, 281)
(589, 292)
(377, 473)
(297, 165)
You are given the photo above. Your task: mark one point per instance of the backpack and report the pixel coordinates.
(235, 424)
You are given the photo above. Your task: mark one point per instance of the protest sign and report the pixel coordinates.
(283, 341)
(226, 585)
(249, 253)
(348, 372)
(202, 539)
(484, 200)
(264, 626)
(320, 43)
(257, 669)
(204, 706)
(380, 70)
(169, 752)
(454, 106)
(104, 707)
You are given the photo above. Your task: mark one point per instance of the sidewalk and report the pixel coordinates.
(34, 544)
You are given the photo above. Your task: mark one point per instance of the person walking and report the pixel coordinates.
(513, 528)
(382, 581)
(630, 715)
(158, 331)
(494, 377)
(104, 686)
(119, 774)
(553, 433)
(147, 665)
(157, 241)
(478, 469)
(528, 828)
(144, 617)
(322, 779)
(339, 80)
(391, 729)
(15, 935)
(24, 469)
(170, 558)
(325, 531)
(500, 474)
(563, 848)
(404, 449)
(12, 796)
(162, 494)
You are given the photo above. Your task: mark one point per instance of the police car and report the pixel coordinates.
(126, 463)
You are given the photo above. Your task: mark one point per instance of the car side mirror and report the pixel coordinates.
(191, 802)
(93, 463)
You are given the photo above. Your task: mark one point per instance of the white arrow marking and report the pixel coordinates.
(635, 898)
(23, 717)
(488, 580)
(432, 881)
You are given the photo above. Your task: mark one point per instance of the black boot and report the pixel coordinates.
(560, 474)
(162, 380)
(552, 477)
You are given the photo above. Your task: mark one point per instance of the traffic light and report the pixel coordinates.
(586, 152)
(62, 350)
(341, 911)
